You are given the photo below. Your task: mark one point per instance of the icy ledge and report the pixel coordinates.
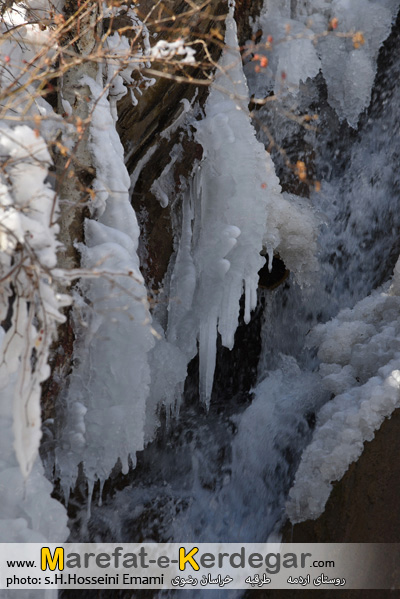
(360, 354)
(123, 366)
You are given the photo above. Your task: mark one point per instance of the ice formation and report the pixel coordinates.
(125, 365)
(299, 51)
(360, 364)
(292, 233)
(122, 364)
(106, 396)
(165, 184)
(168, 370)
(119, 52)
(218, 258)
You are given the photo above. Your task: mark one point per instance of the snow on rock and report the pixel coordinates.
(360, 355)
(105, 403)
(349, 69)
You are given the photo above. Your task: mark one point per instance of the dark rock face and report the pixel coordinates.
(362, 508)
(364, 505)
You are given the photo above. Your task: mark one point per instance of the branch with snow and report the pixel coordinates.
(167, 50)
(28, 242)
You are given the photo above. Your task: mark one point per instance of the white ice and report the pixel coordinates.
(105, 403)
(298, 52)
(360, 364)
(233, 212)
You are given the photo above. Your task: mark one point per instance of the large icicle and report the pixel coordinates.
(228, 202)
(106, 396)
(236, 183)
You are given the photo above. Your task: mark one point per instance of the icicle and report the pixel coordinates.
(90, 483)
(248, 296)
(66, 489)
(100, 502)
(270, 257)
(108, 387)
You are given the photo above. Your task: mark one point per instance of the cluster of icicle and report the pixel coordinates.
(301, 49)
(233, 211)
(125, 365)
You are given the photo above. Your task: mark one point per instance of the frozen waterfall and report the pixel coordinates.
(226, 407)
